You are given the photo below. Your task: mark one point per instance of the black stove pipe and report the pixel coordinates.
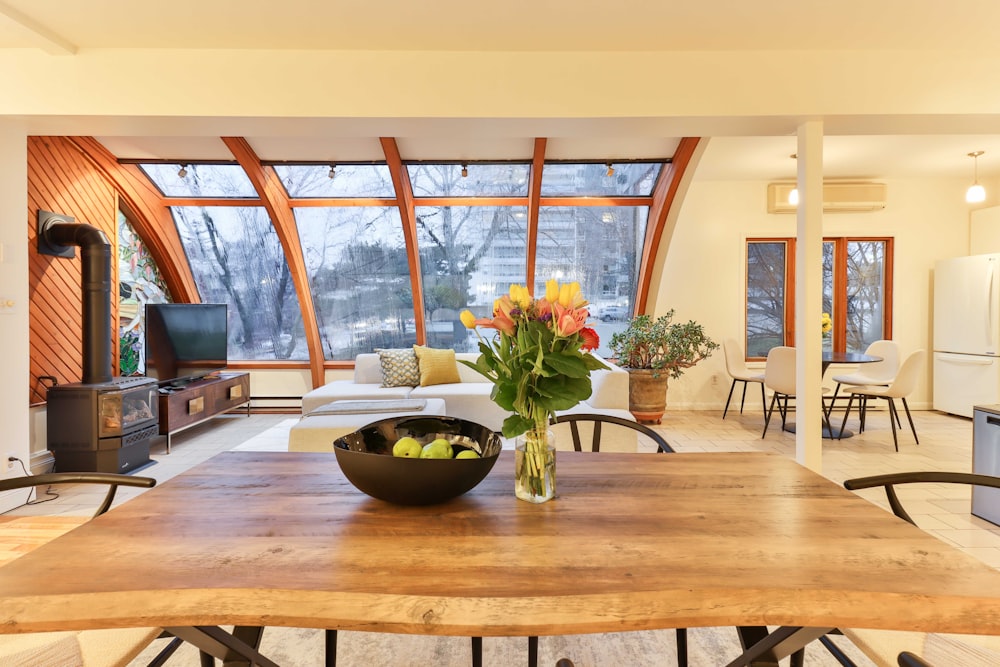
(95, 279)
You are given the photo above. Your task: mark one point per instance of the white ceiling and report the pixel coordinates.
(64, 27)
(512, 25)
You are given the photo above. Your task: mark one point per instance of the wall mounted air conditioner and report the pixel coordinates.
(838, 197)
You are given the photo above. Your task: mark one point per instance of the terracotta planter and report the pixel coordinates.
(647, 395)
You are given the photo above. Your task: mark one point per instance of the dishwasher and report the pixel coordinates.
(986, 460)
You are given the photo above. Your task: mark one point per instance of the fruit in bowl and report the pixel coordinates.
(374, 462)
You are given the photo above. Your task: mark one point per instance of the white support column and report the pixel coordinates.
(809, 298)
(14, 367)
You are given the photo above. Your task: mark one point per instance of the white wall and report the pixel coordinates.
(704, 269)
(13, 318)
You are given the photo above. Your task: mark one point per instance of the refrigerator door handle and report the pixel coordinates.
(960, 361)
(993, 421)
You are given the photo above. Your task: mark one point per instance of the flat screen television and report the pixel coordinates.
(185, 341)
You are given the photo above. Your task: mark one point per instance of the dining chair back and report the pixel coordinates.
(920, 649)
(779, 377)
(737, 368)
(599, 421)
(109, 648)
(873, 373)
(902, 386)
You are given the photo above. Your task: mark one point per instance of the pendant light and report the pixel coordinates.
(976, 193)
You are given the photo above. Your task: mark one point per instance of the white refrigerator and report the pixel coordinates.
(966, 333)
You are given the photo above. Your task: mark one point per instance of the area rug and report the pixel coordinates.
(708, 647)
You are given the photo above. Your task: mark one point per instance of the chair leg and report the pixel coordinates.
(833, 400)
(892, 422)
(477, 652)
(843, 424)
(331, 648)
(910, 418)
(763, 398)
(743, 398)
(767, 416)
(682, 646)
(826, 420)
(730, 397)
(532, 651)
(784, 412)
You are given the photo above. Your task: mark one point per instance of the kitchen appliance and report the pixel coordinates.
(986, 461)
(966, 333)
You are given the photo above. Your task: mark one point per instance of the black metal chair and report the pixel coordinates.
(598, 421)
(112, 481)
(889, 482)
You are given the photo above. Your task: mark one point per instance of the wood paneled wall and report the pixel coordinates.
(62, 180)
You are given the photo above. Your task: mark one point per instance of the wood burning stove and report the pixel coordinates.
(103, 427)
(103, 423)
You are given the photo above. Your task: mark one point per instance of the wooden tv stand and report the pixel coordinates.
(198, 401)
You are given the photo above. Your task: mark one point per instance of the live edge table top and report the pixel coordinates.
(632, 542)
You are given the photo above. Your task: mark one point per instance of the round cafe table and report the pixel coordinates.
(830, 357)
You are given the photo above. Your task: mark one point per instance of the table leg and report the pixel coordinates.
(768, 649)
(238, 649)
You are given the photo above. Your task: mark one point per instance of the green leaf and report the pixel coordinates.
(515, 425)
(565, 364)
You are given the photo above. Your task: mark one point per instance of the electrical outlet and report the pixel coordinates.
(10, 463)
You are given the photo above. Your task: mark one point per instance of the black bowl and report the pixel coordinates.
(366, 458)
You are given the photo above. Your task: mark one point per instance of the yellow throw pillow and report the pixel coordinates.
(436, 366)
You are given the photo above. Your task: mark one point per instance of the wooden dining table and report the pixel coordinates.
(632, 542)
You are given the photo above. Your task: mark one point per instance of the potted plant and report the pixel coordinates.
(653, 351)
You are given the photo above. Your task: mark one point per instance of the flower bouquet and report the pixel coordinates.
(827, 324)
(538, 363)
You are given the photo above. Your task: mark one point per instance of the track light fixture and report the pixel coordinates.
(611, 169)
(976, 193)
(465, 170)
(182, 172)
(333, 171)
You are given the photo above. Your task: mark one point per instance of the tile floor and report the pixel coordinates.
(945, 444)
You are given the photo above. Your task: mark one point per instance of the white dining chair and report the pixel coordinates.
(779, 377)
(874, 374)
(737, 368)
(903, 385)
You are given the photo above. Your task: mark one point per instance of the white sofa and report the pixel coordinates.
(468, 399)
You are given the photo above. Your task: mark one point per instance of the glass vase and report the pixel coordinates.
(535, 466)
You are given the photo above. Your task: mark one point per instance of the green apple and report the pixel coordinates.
(467, 454)
(407, 447)
(436, 449)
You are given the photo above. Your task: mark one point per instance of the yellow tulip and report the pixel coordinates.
(570, 296)
(552, 290)
(520, 295)
(468, 319)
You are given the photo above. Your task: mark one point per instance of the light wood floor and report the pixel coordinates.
(945, 444)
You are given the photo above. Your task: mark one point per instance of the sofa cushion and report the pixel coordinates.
(399, 367)
(467, 400)
(347, 390)
(436, 366)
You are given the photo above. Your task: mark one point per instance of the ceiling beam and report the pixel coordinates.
(408, 214)
(48, 40)
(265, 181)
(534, 198)
(664, 196)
